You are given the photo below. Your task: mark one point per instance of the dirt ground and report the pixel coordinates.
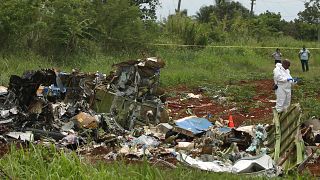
(314, 168)
(259, 111)
(259, 108)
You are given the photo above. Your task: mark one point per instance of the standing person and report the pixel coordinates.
(304, 56)
(284, 81)
(277, 56)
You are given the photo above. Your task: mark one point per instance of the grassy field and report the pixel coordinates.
(48, 163)
(38, 162)
(202, 67)
(209, 65)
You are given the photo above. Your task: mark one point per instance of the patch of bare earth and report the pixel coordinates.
(259, 108)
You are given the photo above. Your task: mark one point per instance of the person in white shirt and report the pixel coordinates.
(284, 81)
(304, 56)
(277, 56)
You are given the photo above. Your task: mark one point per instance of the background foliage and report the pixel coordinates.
(59, 28)
(94, 34)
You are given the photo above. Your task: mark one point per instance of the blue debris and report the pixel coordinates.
(194, 124)
(225, 129)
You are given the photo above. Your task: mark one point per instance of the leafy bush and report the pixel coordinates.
(191, 32)
(61, 28)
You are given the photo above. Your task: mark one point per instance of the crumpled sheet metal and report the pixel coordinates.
(215, 166)
(248, 129)
(227, 136)
(128, 112)
(285, 139)
(61, 110)
(25, 87)
(247, 165)
(253, 164)
(145, 141)
(23, 136)
(40, 95)
(6, 121)
(46, 100)
(133, 95)
(136, 79)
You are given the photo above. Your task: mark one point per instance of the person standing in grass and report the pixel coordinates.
(304, 56)
(284, 81)
(277, 56)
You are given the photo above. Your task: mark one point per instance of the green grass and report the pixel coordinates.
(209, 67)
(18, 63)
(39, 162)
(183, 65)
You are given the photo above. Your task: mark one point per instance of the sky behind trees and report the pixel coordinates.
(287, 8)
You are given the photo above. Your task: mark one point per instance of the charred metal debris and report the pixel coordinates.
(125, 114)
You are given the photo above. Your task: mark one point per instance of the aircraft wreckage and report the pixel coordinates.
(126, 110)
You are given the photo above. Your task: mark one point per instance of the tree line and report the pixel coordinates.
(59, 27)
(230, 21)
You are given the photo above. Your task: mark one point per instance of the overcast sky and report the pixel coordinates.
(287, 8)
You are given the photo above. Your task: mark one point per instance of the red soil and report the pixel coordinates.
(258, 110)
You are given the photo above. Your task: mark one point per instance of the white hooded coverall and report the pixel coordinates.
(283, 92)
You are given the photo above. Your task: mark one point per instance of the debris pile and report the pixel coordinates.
(125, 115)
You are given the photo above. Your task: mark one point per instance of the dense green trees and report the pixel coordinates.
(60, 27)
(231, 21)
(311, 14)
(309, 20)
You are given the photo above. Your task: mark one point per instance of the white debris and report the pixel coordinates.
(6, 121)
(253, 164)
(193, 96)
(3, 90)
(5, 113)
(24, 136)
(215, 166)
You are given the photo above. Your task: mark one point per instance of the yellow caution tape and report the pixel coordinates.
(220, 46)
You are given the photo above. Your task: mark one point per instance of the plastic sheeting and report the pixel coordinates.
(194, 124)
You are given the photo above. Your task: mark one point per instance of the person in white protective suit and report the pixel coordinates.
(284, 81)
